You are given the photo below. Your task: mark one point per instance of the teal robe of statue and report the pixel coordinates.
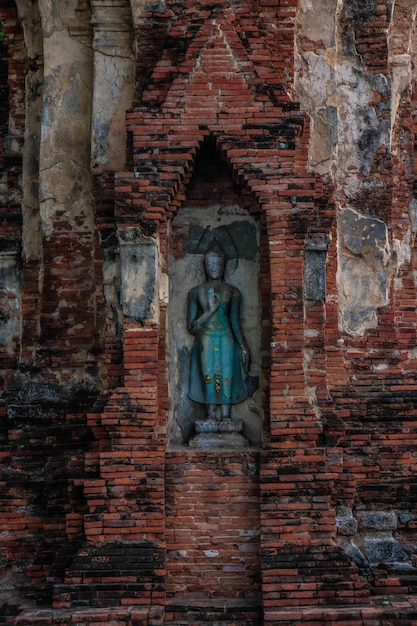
(217, 374)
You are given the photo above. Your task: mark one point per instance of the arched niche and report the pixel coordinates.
(214, 212)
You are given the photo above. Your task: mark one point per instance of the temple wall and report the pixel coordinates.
(134, 135)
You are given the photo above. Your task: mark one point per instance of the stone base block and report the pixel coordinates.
(219, 434)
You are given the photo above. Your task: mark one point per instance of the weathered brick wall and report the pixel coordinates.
(212, 525)
(97, 510)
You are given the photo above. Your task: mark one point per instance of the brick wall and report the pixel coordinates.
(97, 509)
(212, 525)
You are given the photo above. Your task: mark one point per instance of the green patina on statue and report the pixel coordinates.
(219, 375)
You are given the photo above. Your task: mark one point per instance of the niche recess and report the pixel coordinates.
(214, 210)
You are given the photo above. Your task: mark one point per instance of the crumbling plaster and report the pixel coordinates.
(354, 115)
(66, 120)
(114, 76)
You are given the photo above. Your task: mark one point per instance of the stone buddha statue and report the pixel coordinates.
(219, 374)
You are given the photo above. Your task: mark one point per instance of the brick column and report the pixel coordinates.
(66, 207)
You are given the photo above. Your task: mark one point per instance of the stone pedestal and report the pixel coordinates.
(219, 434)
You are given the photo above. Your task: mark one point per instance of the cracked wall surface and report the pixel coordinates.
(356, 113)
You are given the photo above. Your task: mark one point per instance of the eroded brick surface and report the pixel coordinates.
(310, 112)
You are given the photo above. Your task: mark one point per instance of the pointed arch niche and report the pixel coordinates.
(215, 212)
(217, 105)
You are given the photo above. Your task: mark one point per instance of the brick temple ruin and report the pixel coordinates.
(133, 135)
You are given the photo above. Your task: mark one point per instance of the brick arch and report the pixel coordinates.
(267, 148)
(216, 91)
(212, 190)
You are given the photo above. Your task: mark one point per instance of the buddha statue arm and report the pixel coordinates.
(196, 322)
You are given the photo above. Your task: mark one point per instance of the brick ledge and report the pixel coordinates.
(377, 612)
(379, 608)
(138, 615)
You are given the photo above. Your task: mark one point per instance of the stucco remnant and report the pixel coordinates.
(138, 258)
(365, 271)
(354, 99)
